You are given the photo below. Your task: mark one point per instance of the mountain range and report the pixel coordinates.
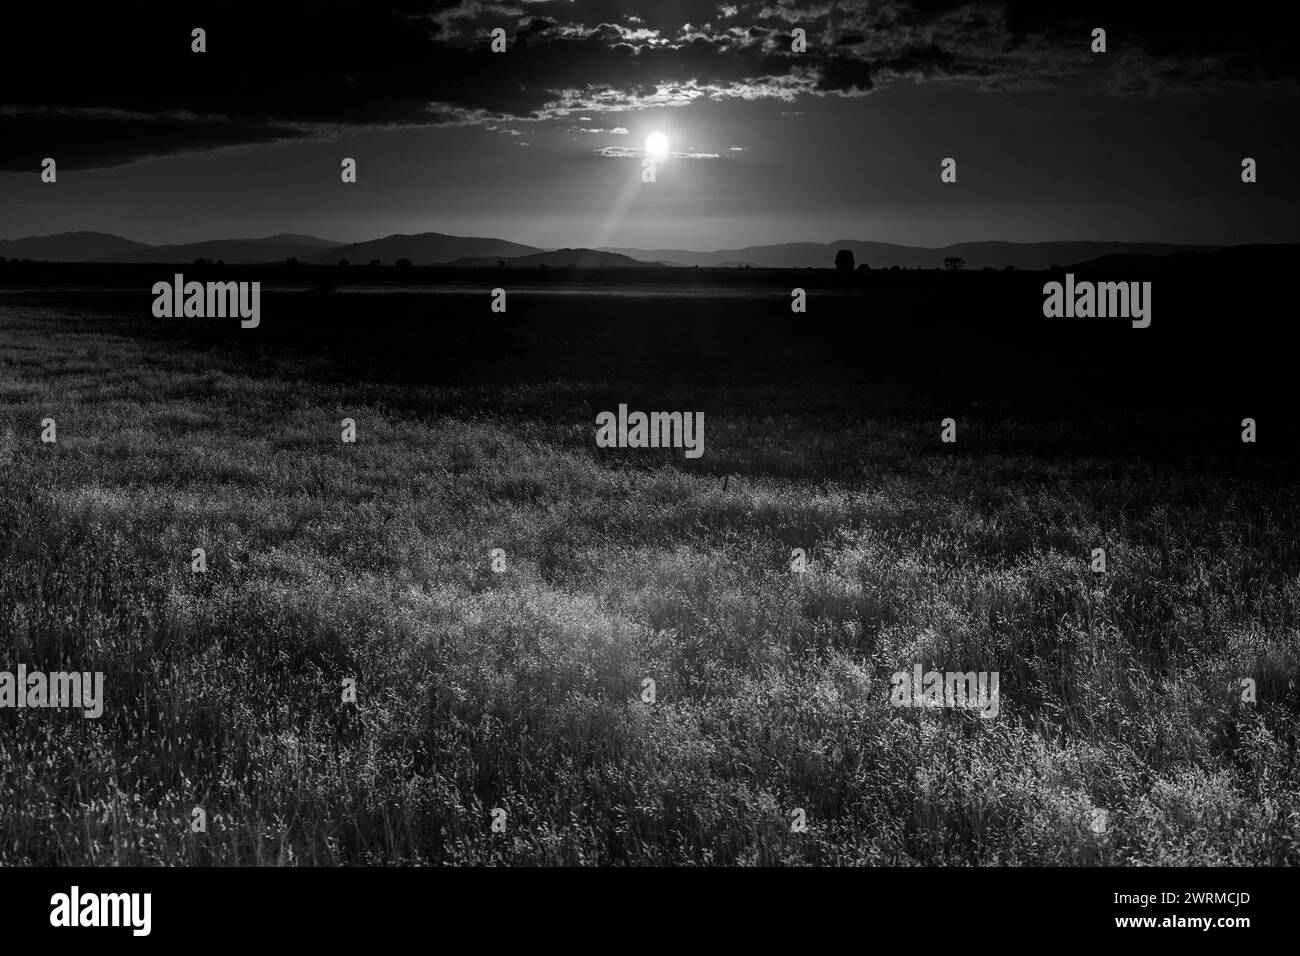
(882, 255)
(561, 258)
(432, 248)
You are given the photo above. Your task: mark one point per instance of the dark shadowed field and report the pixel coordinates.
(521, 690)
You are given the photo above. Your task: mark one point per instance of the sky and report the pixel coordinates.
(543, 143)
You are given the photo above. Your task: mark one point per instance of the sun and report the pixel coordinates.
(656, 146)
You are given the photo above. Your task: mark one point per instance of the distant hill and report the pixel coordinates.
(426, 248)
(297, 239)
(434, 248)
(559, 259)
(422, 249)
(1278, 257)
(882, 255)
(231, 250)
(68, 247)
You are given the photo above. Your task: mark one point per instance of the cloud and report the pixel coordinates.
(128, 87)
(83, 139)
(634, 152)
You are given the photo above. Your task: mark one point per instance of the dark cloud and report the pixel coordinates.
(110, 84)
(78, 139)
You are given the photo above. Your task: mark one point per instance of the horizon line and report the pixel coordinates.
(827, 242)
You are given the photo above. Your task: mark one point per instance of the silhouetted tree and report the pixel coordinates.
(1008, 268)
(501, 263)
(953, 263)
(343, 263)
(291, 261)
(375, 262)
(863, 267)
(844, 260)
(404, 264)
(200, 261)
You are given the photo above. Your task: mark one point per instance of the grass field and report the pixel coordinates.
(521, 690)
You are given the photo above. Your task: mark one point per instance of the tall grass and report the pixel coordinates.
(522, 690)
